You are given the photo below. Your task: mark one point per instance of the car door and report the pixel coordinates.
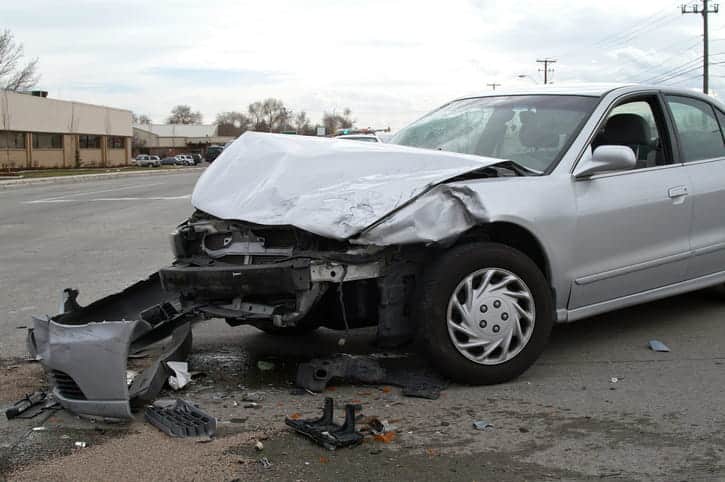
(632, 227)
(702, 150)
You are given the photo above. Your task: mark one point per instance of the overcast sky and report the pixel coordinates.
(389, 61)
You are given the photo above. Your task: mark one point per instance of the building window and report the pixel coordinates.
(12, 140)
(89, 142)
(47, 141)
(116, 142)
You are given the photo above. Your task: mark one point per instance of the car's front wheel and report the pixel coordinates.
(486, 313)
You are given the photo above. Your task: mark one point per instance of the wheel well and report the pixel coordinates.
(511, 235)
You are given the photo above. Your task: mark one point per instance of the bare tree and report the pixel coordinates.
(334, 121)
(232, 123)
(275, 114)
(182, 114)
(141, 119)
(302, 123)
(256, 116)
(13, 74)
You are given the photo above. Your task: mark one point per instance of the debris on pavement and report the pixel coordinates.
(183, 419)
(325, 432)
(481, 425)
(136, 318)
(29, 406)
(253, 397)
(259, 446)
(317, 373)
(266, 464)
(265, 365)
(614, 379)
(385, 438)
(656, 345)
(181, 376)
(81, 445)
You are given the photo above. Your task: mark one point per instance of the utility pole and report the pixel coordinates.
(546, 68)
(493, 85)
(704, 11)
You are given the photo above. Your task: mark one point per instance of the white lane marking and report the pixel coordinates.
(83, 193)
(97, 199)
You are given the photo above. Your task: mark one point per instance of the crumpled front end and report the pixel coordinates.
(268, 276)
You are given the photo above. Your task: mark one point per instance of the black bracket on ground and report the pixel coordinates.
(22, 408)
(325, 432)
(183, 419)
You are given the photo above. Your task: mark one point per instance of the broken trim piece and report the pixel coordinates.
(325, 432)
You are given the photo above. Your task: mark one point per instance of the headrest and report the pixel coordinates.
(626, 129)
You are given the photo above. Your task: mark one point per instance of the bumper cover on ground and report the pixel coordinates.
(85, 349)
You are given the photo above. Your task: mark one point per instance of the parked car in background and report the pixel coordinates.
(169, 161)
(212, 152)
(197, 158)
(144, 160)
(359, 137)
(187, 159)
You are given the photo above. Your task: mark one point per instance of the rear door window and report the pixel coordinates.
(697, 128)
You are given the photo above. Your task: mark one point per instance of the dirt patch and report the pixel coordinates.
(146, 454)
(18, 378)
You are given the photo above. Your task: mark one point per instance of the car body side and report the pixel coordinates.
(556, 221)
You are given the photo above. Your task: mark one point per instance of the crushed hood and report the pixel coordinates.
(330, 187)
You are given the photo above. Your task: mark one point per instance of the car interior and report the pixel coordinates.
(635, 125)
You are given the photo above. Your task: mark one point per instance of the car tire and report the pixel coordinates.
(445, 328)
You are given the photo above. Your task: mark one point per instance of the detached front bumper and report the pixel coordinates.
(86, 357)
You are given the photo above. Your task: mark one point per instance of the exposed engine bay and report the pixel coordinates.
(277, 277)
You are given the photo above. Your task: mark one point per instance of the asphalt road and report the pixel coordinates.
(662, 419)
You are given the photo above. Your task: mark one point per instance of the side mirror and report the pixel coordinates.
(606, 158)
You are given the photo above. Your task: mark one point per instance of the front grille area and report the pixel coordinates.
(66, 385)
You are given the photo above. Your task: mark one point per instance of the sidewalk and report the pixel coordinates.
(8, 183)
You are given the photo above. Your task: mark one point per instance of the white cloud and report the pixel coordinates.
(389, 61)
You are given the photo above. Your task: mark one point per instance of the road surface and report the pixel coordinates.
(567, 417)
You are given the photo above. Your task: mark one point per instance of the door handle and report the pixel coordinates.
(677, 191)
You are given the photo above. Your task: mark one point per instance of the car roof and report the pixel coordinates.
(589, 89)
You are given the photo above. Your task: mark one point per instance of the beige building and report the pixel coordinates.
(37, 132)
(171, 139)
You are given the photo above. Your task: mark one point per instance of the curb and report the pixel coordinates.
(94, 177)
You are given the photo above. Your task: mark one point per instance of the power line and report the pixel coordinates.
(546, 68)
(704, 11)
(493, 85)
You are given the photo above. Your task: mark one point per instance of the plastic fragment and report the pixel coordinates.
(386, 437)
(259, 446)
(265, 462)
(656, 345)
(181, 376)
(183, 419)
(481, 425)
(81, 445)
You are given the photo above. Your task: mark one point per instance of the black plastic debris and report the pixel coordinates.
(30, 405)
(182, 419)
(325, 432)
(416, 381)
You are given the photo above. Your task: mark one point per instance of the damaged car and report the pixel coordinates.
(477, 228)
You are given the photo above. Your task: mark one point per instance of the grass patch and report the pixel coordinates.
(38, 173)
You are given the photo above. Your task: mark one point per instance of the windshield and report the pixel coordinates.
(532, 130)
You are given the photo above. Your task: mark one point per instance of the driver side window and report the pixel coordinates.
(634, 124)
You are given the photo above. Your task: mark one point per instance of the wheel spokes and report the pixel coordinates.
(505, 322)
